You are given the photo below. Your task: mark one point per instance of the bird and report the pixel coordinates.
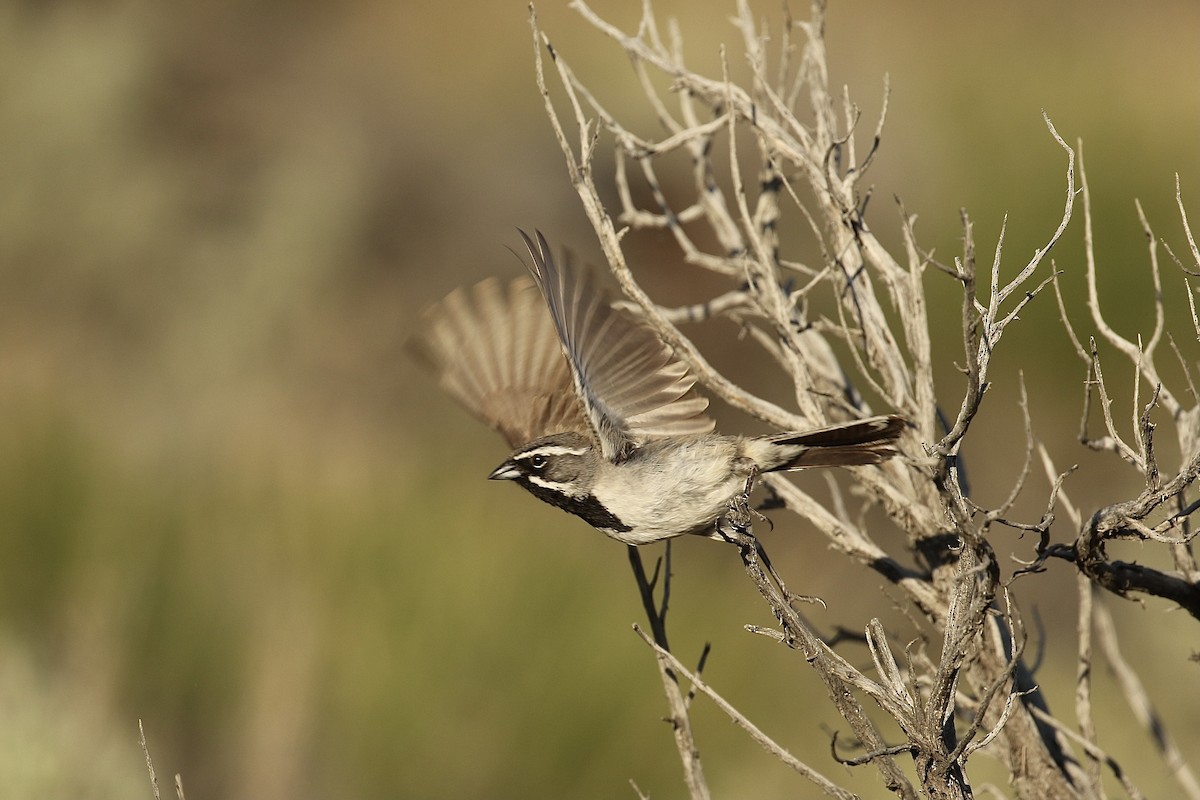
(602, 417)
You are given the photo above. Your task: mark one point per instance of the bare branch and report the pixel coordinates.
(1083, 680)
(739, 719)
(656, 613)
(149, 761)
(1187, 228)
(1093, 751)
(1143, 709)
(796, 155)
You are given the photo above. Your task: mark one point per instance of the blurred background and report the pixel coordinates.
(231, 508)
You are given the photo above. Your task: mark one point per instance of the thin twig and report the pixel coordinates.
(1139, 703)
(681, 726)
(739, 719)
(149, 761)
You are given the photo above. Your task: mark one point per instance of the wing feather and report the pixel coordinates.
(631, 385)
(497, 353)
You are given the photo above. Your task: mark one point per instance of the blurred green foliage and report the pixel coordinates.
(230, 508)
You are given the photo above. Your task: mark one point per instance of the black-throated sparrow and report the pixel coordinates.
(602, 415)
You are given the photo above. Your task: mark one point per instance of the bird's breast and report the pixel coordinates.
(672, 488)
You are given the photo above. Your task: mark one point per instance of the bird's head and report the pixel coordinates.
(563, 464)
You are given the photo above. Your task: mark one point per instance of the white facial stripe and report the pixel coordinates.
(552, 450)
(564, 488)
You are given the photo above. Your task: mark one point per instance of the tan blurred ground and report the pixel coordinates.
(231, 508)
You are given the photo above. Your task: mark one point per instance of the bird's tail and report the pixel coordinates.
(864, 441)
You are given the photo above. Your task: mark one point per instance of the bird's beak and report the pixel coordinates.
(505, 472)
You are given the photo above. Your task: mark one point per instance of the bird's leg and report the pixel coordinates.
(738, 516)
(741, 514)
(734, 524)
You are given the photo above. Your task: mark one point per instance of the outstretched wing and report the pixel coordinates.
(496, 352)
(631, 385)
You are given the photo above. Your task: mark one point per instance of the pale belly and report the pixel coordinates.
(674, 490)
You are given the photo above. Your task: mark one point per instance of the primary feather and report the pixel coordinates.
(632, 387)
(585, 367)
(496, 353)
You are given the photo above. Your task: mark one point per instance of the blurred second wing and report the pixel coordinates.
(496, 352)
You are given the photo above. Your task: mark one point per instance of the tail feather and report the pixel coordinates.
(867, 441)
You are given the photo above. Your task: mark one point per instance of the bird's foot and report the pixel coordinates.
(741, 514)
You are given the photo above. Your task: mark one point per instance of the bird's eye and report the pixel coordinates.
(538, 462)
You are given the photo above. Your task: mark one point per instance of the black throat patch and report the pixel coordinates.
(586, 508)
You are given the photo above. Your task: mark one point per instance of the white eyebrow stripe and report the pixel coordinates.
(552, 450)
